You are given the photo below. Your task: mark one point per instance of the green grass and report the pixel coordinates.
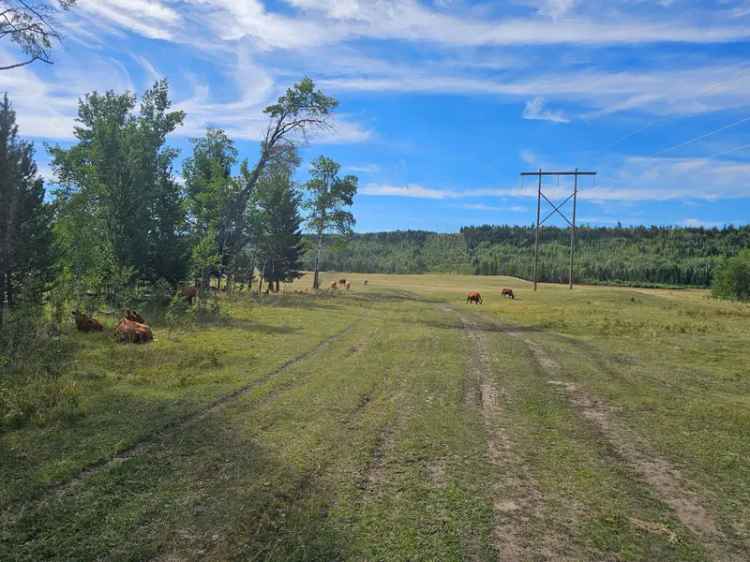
(367, 448)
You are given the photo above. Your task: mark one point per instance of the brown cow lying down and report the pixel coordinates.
(134, 316)
(348, 285)
(86, 323)
(365, 281)
(508, 293)
(189, 293)
(128, 331)
(342, 282)
(334, 285)
(474, 297)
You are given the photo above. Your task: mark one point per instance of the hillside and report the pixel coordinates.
(618, 255)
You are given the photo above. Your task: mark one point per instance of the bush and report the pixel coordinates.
(732, 280)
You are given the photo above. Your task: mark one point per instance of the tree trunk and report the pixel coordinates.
(316, 278)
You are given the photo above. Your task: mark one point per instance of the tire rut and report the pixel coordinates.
(669, 485)
(150, 440)
(516, 496)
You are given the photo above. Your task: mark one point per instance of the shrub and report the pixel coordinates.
(732, 279)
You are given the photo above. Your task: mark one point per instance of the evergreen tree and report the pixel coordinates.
(279, 242)
(25, 219)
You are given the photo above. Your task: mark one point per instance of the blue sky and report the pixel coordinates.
(443, 102)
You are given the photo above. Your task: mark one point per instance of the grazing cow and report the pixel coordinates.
(474, 297)
(134, 316)
(86, 323)
(334, 285)
(508, 293)
(189, 293)
(128, 331)
(342, 282)
(348, 285)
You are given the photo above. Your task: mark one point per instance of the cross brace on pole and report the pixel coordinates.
(556, 209)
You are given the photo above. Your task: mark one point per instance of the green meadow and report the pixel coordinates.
(392, 421)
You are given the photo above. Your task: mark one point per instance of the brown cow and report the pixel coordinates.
(129, 331)
(474, 297)
(342, 282)
(189, 293)
(508, 293)
(134, 316)
(348, 285)
(365, 281)
(334, 285)
(86, 323)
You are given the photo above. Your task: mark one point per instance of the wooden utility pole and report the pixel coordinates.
(556, 209)
(573, 230)
(536, 232)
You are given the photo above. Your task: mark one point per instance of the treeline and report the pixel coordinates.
(119, 225)
(617, 255)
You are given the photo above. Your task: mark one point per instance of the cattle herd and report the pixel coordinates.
(132, 327)
(474, 297)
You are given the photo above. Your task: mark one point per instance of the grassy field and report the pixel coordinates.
(393, 422)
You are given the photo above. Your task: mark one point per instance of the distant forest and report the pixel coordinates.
(639, 256)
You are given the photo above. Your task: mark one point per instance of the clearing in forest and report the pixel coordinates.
(395, 422)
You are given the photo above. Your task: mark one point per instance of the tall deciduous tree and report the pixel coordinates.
(328, 198)
(303, 109)
(121, 210)
(279, 239)
(25, 219)
(28, 24)
(210, 193)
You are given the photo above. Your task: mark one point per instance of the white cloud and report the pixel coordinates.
(698, 223)
(483, 207)
(362, 168)
(534, 110)
(410, 191)
(149, 18)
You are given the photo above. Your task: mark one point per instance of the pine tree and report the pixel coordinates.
(279, 239)
(25, 219)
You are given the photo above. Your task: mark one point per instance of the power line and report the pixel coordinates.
(730, 151)
(701, 137)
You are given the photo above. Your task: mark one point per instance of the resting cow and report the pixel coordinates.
(474, 297)
(342, 282)
(348, 285)
(129, 331)
(508, 293)
(86, 323)
(334, 285)
(134, 316)
(189, 293)
(365, 281)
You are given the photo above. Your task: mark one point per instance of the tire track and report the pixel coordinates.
(150, 440)
(669, 485)
(516, 496)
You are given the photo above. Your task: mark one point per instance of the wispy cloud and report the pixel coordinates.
(362, 168)
(497, 208)
(411, 191)
(534, 110)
